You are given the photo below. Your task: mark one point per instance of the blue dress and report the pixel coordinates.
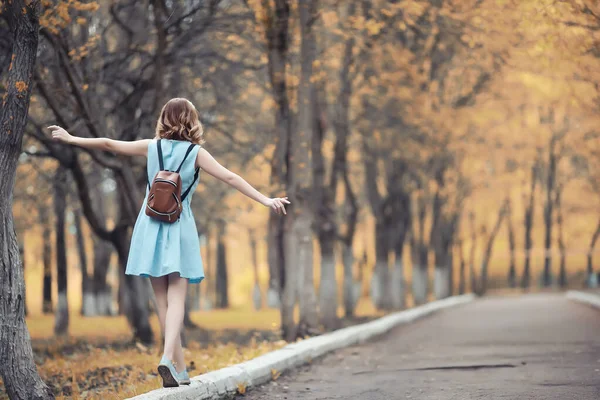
(160, 248)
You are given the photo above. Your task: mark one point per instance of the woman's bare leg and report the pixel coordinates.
(176, 292)
(159, 286)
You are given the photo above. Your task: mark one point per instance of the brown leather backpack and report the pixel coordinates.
(164, 198)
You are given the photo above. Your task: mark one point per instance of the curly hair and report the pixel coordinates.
(179, 121)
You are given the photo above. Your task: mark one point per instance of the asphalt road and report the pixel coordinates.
(539, 346)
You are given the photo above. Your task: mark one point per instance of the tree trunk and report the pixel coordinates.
(462, 284)
(256, 293)
(47, 259)
(398, 285)
(102, 290)
(87, 293)
(441, 279)
(61, 322)
(562, 276)
(290, 290)
(487, 255)
(276, 22)
(103, 250)
(472, 273)
(590, 266)
(137, 310)
(548, 214)
(300, 174)
(528, 222)
(328, 286)
(419, 256)
(276, 261)
(380, 282)
(22, 257)
(17, 367)
(351, 286)
(512, 268)
(222, 278)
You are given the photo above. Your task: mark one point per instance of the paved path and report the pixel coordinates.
(539, 346)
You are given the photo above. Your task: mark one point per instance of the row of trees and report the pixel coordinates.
(405, 111)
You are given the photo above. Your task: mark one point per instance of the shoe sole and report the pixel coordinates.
(168, 378)
(184, 382)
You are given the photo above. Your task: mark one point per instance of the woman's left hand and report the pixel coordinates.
(60, 134)
(278, 204)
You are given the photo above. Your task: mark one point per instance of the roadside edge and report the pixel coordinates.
(224, 382)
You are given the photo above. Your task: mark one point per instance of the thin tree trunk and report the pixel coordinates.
(61, 322)
(548, 214)
(328, 285)
(47, 259)
(462, 284)
(276, 261)
(222, 279)
(138, 306)
(102, 290)
(419, 256)
(380, 282)
(512, 268)
(590, 265)
(487, 255)
(528, 221)
(351, 286)
(103, 250)
(17, 367)
(562, 276)
(87, 294)
(472, 273)
(256, 293)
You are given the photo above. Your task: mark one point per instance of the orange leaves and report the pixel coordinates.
(21, 86)
(56, 17)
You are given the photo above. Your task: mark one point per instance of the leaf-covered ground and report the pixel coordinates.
(99, 360)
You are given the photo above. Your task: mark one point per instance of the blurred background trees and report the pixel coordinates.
(429, 148)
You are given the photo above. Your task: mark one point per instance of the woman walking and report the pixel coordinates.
(164, 244)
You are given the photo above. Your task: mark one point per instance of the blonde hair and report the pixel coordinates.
(179, 120)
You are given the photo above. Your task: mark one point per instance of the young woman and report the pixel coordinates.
(169, 253)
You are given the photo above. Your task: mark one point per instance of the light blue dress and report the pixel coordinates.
(160, 248)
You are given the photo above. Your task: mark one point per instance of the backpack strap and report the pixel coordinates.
(187, 191)
(160, 156)
(189, 149)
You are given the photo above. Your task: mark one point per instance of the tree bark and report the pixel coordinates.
(222, 278)
(17, 367)
(47, 259)
(512, 268)
(528, 222)
(487, 255)
(590, 265)
(61, 322)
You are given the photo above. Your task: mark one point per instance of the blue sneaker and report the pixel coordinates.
(167, 372)
(184, 378)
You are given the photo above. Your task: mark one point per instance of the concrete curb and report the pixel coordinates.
(223, 382)
(583, 297)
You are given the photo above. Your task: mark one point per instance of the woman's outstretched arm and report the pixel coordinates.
(212, 167)
(133, 148)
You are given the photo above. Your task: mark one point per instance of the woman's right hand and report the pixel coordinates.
(278, 204)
